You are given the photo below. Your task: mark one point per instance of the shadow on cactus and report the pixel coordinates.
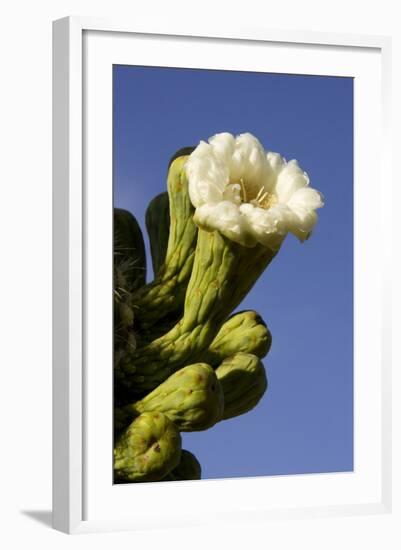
(183, 358)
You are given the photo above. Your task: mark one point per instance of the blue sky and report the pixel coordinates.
(304, 423)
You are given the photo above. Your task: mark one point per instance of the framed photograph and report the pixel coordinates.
(221, 305)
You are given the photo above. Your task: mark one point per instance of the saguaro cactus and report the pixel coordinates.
(183, 360)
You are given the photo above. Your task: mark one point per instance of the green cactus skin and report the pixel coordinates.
(148, 449)
(188, 468)
(243, 380)
(243, 332)
(157, 221)
(223, 273)
(166, 294)
(191, 397)
(129, 250)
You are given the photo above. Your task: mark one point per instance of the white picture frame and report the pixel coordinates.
(83, 49)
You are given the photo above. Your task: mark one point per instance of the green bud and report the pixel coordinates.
(243, 332)
(191, 398)
(188, 468)
(148, 449)
(243, 380)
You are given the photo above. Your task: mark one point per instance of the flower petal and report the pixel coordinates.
(249, 163)
(276, 161)
(265, 225)
(223, 146)
(289, 180)
(224, 217)
(305, 221)
(207, 177)
(306, 198)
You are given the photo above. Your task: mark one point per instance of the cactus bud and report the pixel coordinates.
(188, 468)
(243, 380)
(148, 449)
(243, 332)
(191, 398)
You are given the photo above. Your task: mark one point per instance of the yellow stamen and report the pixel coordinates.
(243, 190)
(264, 199)
(260, 192)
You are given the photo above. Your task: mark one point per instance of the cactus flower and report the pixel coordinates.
(249, 195)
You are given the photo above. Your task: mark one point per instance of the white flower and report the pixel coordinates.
(251, 196)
